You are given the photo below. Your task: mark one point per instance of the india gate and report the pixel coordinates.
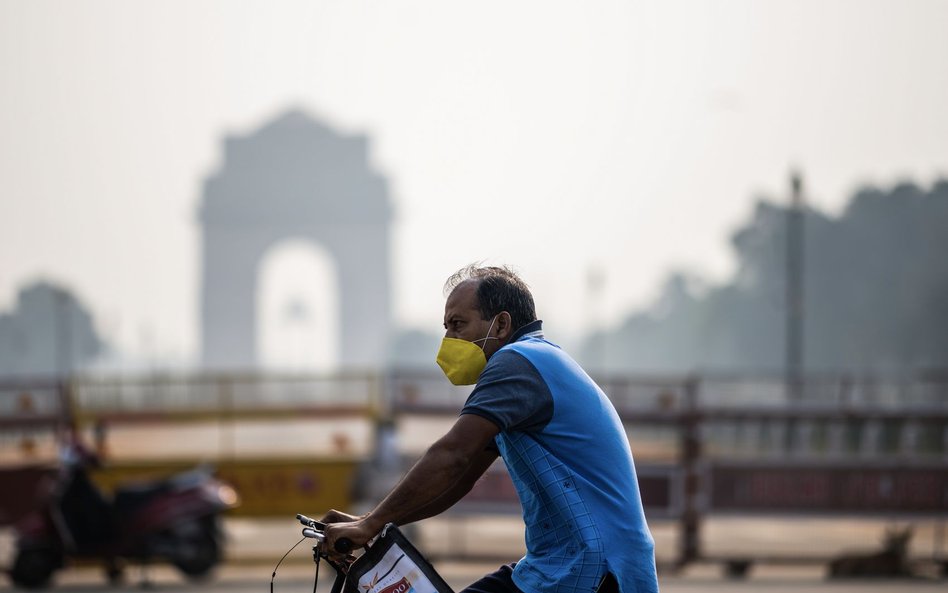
(294, 178)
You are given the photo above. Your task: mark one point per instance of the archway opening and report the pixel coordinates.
(298, 308)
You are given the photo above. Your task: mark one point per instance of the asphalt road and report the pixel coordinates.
(254, 546)
(297, 578)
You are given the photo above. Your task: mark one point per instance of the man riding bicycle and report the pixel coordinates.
(560, 437)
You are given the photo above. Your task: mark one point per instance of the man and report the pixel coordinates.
(564, 445)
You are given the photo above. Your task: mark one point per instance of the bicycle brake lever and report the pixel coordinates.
(317, 525)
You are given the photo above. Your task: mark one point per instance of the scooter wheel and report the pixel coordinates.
(197, 555)
(33, 569)
(115, 571)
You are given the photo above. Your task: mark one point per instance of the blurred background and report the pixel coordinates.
(225, 228)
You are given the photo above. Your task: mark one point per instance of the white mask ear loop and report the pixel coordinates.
(488, 336)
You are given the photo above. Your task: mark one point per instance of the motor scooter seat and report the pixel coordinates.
(131, 497)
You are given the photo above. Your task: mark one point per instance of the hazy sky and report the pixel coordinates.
(553, 136)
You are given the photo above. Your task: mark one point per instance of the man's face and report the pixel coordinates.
(462, 317)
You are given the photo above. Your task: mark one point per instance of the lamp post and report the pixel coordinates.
(794, 297)
(63, 333)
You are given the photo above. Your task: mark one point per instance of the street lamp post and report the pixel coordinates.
(794, 297)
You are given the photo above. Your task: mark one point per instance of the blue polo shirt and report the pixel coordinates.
(568, 455)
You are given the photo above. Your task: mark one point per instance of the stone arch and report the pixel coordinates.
(294, 177)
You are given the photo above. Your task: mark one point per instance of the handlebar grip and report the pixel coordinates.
(343, 545)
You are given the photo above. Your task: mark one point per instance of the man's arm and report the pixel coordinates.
(457, 492)
(454, 462)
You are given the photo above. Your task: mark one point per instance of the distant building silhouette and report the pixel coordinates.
(876, 289)
(294, 178)
(48, 333)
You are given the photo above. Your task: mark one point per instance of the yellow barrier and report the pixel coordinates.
(267, 487)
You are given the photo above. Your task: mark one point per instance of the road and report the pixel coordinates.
(254, 546)
(297, 578)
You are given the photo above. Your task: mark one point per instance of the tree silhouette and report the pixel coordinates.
(876, 295)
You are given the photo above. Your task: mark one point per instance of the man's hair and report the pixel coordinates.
(498, 289)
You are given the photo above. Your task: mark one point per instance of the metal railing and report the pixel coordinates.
(703, 437)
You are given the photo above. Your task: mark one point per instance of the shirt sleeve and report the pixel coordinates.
(512, 394)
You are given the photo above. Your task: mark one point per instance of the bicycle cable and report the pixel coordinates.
(316, 578)
(273, 576)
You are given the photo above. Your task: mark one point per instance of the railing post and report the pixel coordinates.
(226, 418)
(690, 454)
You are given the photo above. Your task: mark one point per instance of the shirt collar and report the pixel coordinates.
(534, 329)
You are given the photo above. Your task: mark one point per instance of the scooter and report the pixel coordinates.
(176, 519)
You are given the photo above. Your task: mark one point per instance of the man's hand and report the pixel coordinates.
(358, 530)
(335, 516)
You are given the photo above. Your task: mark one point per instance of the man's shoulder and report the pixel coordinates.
(509, 359)
(526, 355)
(536, 351)
(512, 393)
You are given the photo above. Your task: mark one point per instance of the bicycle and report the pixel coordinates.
(390, 563)
(313, 529)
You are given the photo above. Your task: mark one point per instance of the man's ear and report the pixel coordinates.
(504, 326)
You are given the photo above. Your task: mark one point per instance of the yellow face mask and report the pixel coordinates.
(463, 361)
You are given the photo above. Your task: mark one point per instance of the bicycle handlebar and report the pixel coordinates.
(317, 530)
(343, 545)
(317, 525)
